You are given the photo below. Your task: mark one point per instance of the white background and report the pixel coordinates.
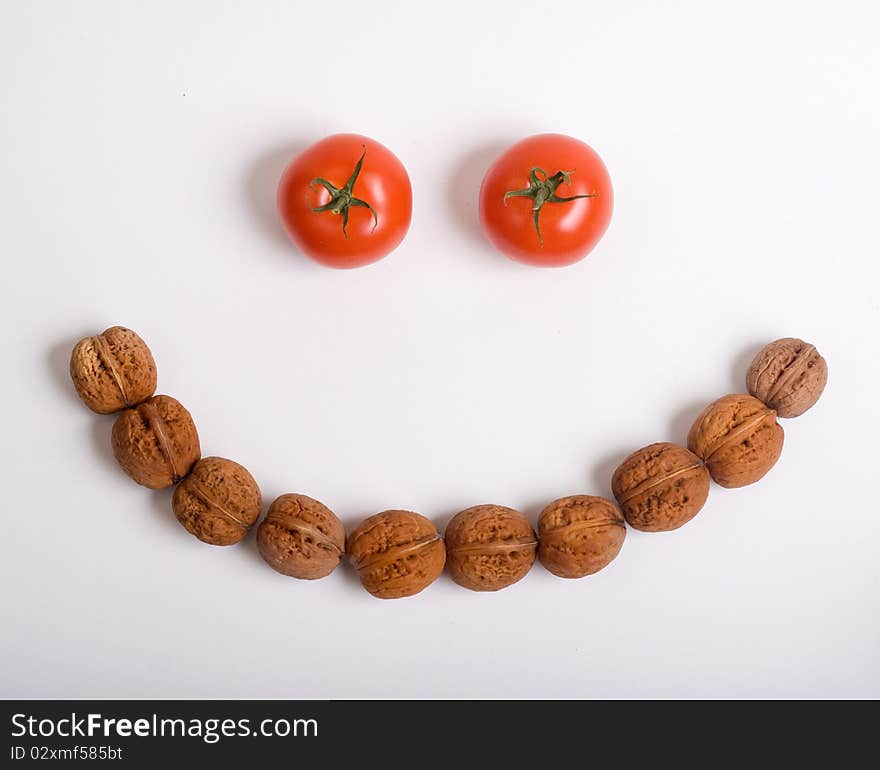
(140, 145)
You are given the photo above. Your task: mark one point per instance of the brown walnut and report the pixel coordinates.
(113, 370)
(738, 438)
(396, 553)
(788, 375)
(218, 502)
(489, 547)
(660, 487)
(579, 535)
(301, 537)
(156, 443)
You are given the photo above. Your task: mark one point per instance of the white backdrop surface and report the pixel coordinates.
(140, 146)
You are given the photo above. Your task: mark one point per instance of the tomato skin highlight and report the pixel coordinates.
(382, 183)
(570, 229)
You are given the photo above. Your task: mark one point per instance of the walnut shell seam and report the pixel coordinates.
(651, 483)
(576, 526)
(196, 489)
(306, 530)
(394, 553)
(486, 548)
(801, 361)
(743, 430)
(106, 358)
(154, 419)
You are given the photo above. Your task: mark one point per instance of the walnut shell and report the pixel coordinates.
(218, 502)
(396, 553)
(579, 535)
(113, 370)
(788, 375)
(660, 487)
(738, 438)
(301, 537)
(489, 547)
(156, 443)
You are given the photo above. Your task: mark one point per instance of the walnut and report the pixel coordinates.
(112, 370)
(660, 487)
(489, 547)
(218, 502)
(579, 535)
(738, 438)
(396, 553)
(788, 375)
(156, 443)
(301, 537)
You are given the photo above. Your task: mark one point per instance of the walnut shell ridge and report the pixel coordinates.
(156, 442)
(738, 438)
(579, 535)
(660, 487)
(112, 370)
(788, 375)
(396, 553)
(218, 502)
(489, 547)
(301, 537)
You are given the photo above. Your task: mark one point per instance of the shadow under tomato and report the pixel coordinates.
(260, 184)
(463, 187)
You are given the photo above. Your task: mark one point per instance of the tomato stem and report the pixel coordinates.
(542, 189)
(343, 198)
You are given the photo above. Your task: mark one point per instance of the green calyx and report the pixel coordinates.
(542, 189)
(343, 198)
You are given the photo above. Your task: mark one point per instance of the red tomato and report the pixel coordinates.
(546, 201)
(345, 201)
